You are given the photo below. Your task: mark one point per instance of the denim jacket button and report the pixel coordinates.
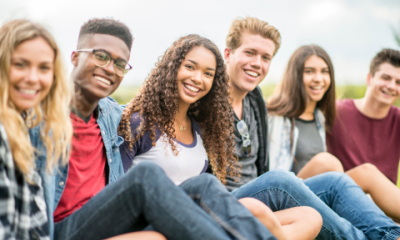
(61, 183)
(110, 160)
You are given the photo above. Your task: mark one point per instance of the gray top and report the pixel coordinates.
(309, 143)
(249, 169)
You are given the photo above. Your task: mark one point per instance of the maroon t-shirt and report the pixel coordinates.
(86, 172)
(356, 139)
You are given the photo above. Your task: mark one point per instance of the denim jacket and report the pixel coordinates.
(109, 116)
(281, 155)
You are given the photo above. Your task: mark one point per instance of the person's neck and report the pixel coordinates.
(372, 109)
(181, 117)
(83, 105)
(237, 101)
(308, 114)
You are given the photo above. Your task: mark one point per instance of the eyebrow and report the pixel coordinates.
(25, 60)
(255, 50)
(195, 63)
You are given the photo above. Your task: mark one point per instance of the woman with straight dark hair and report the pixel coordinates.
(301, 110)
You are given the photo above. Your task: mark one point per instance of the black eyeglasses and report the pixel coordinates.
(244, 133)
(102, 58)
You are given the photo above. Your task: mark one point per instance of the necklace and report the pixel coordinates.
(182, 128)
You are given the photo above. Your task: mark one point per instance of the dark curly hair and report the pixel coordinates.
(158, 102)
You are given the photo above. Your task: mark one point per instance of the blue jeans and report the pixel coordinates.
(145, 195)
(346, 211)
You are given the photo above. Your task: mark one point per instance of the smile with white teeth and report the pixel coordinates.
(253, 74)
(316, 87)
(103, 80)
(28, 91)
(193, 89)
(388, 93)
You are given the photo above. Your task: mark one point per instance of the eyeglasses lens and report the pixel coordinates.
(102, 59)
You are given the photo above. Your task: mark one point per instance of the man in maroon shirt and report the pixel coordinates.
(367, 130)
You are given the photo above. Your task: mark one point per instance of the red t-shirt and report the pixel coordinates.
(86, 173)
(356, 139)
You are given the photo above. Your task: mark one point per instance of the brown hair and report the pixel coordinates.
(290, 97)
(254, 26)
(158, 102)
(387, 55)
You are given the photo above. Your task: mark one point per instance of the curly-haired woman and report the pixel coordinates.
(33, 88)
(182, 120)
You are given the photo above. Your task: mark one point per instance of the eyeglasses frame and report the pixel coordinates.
(93, 51)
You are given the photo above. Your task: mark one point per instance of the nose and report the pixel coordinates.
(110, 68)
(33, 75)
(392, 84)
(318, 77)
(196, 77)
(256, 63)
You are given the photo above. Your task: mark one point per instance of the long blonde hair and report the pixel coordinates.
(52, 112)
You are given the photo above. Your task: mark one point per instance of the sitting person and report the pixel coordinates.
(181, 120)
(346, 211)
(303, 107)
(92, 198)
(33, 88)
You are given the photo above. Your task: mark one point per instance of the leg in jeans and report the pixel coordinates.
(347, 199)
(143, 196)
(213, 197)
(280, 190)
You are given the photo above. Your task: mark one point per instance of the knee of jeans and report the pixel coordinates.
(339, 179)
(144, 169)
(280, 175)
(203, 181)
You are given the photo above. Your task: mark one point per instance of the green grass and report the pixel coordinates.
(126, 93)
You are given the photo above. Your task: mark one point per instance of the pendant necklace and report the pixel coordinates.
(182, 128)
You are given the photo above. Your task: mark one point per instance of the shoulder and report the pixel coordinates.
(396, 110)
(345, 104)
(136, 120)
(109, 105)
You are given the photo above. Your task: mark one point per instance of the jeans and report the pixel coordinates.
(346, 211)
(146, 196)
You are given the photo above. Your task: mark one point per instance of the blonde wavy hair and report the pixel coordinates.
(51, 113)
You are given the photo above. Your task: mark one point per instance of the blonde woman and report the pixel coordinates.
(33, 90)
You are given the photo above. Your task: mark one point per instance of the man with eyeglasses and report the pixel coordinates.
(91, 198)
(347, 213)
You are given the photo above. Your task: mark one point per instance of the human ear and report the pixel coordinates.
(227, 54)
(368, 81)
(74, 58)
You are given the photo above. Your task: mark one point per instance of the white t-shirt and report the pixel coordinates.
(191, 160)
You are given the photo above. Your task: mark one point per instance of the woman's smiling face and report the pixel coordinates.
(196, 75)
(316, 78)
(31, 73)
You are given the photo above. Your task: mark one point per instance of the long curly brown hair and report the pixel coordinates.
(158, 102)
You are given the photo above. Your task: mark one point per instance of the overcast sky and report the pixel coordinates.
(352, 31)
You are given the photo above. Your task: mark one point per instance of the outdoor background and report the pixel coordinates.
(352, 31)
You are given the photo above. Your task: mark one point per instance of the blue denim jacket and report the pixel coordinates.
(281, 154)
(109, 116)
